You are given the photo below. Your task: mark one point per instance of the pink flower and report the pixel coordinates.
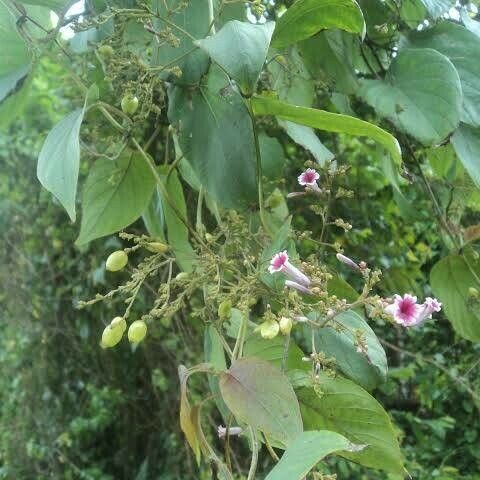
(404, 310)
(407, 312)
(309, 178)
(280, 263)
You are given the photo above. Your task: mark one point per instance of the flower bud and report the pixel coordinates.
(157, 247)
(116, 261)
(119, 322)
(225, 309)
(182, 276)
(269, 329)
(209, 237)
(137, 331)
(286, 324)
(111, 336)
(106, 51)
(129, 104)
(473, 292)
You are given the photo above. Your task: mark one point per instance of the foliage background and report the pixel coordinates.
(69, 409)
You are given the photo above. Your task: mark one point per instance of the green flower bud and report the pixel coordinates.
(286, 324)
(225, 309)
(157, 247)
(129, 104)
(119, 322)
(473, 292)
(116, 261)
(209, 237)
(111, 336)
(137, 331)
(269, 329)
(106, 51)
(182, 276)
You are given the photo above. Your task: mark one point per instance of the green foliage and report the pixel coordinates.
(196, 124)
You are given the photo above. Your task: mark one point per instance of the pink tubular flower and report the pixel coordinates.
(280, 263)
(407, 312)
(309, 178)
(404, 310)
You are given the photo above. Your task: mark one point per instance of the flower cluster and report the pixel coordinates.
(407, 312)
(296, 278)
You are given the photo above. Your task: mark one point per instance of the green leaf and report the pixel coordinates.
(56, 5)
(273, 157)
(240, 48)
(260, 395)
(215, 355)
(463, 49)
(466, 142)
(307, 17)
(215, 134)
(331, 122)
(436, 8)
(338, 340)
(116, 193)
(470, 23)
(154, 218)
(348, 409)
(192, 18)
(451, 278)
(421, 95)
(329, 57)
(305, 452)
(59, 160)
(177, 231)
(273, 351)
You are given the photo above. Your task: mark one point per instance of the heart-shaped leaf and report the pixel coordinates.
(421, 95)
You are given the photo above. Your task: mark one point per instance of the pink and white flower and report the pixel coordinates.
(407, 312)
(280, 263)
(309, 178)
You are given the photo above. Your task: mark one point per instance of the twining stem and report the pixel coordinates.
(242, 331)
(253, 463)
(258, 158)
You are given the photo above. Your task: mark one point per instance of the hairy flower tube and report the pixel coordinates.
(222, 431)
(280, 263)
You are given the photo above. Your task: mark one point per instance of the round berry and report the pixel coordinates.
(111, 336)
(129, 104)
(116, 261)
(137, 331)
(120, 323)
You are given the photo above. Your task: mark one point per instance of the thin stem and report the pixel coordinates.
(237, 349)
(254, 462)
(258, 158)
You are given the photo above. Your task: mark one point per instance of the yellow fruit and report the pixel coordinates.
(119, 322)
(111, 336)
(137, 331)
(116, 261)
(286, 324)
(157, 247)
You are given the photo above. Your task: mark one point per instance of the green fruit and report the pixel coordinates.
(119, 322)
(157, 247)
(182, 276)
(106, 51)
(286, 324)
(137, 331)
(473, 292)
(116, 261)
(129, 104)
(111, 336)
(269, 329)
(225, 309)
